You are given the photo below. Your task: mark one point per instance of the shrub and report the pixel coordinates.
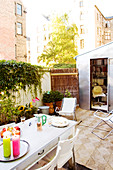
(52, 96)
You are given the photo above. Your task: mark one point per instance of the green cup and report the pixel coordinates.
(44, 119)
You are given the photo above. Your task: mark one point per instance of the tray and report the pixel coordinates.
(24, 149)
(59, 122)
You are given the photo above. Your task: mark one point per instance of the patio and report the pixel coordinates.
(91, 151)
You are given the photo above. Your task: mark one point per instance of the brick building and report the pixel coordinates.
(12, 30)
(93, 27)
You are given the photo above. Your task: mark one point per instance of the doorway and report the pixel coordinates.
(98, 84)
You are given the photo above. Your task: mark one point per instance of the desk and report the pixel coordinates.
(41, 142)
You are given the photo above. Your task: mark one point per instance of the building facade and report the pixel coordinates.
(93, 27)
(43, 35)
(12, 30)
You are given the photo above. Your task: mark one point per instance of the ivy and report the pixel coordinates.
(17, 75)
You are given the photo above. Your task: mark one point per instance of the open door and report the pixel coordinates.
(110, 84)
(99, 84)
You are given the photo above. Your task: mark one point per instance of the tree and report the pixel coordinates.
(63, 47)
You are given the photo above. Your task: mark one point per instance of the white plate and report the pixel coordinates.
(59, 122)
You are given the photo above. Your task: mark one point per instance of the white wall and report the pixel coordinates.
(24, 97)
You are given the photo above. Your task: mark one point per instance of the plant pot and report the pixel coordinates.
(44, 109)
(58, 104)
(51, 108)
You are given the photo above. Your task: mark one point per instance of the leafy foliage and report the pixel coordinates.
(64, 65)
(8, 110)
(52, 96)
(67, 94)
(28, 110)
(15, 76)
(62, 48)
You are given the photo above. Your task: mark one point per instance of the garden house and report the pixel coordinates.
(96, 78)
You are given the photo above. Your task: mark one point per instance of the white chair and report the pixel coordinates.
(68, 107)
(51, 165)
(66, 152)
(107, 119)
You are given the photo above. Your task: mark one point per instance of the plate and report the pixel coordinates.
(24, 149)
(59, 122)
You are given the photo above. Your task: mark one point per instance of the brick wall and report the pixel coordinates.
(8, 38)
(7, 29)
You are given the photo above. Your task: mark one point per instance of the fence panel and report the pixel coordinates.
(62, 79)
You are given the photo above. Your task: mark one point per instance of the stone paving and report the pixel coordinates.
(90, 150)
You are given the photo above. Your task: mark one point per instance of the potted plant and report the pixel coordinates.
(58, 98)
(67, 94)
(52, 99)
(48, 99)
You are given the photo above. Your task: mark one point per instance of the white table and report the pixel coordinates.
(41, 142)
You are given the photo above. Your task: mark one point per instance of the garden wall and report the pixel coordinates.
(62, 79)
(24, 97)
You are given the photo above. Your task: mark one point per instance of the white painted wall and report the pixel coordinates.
(24, 97)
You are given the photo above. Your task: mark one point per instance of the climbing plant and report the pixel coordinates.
(17, 75)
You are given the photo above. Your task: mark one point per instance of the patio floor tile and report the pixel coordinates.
(90, 150)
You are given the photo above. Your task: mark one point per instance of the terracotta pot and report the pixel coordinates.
(51, 108)
(58, 104)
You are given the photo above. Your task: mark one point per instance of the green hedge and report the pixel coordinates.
(64, 66)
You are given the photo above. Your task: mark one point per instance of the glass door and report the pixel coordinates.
(98, 86)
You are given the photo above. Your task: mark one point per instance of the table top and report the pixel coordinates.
(38, 140)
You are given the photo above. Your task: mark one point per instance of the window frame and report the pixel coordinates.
(18, 11)
(82, 31)
(18, 28)
(107, 35)
(82, 44)
(81, 4)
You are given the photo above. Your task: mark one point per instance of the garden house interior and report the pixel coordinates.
(98, 79)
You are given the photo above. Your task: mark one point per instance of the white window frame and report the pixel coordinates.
(19, 9)
(19, 28)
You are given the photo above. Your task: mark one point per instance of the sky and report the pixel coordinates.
(35, 8)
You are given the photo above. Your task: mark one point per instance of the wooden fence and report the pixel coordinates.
(65, 79)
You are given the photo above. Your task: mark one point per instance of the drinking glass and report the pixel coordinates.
(23, 119)
(39, 123)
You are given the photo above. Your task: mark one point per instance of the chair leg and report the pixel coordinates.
(73, 160)
(98, 125)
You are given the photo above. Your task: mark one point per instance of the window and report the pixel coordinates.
(81, 16)
(107, 24)
(19, 28)
(81, 3)
(99, 31)
(99, 43)
(82, 43)
(82, 29)
(44, 27)
(97, 16)
(107, 35)
(19, 9)
(15, 29)
(15, 51)
(44, 38)
(49, 36)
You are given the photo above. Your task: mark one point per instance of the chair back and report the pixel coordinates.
(69, 104)
(97, 90)
(53, 163)
(67, 149)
